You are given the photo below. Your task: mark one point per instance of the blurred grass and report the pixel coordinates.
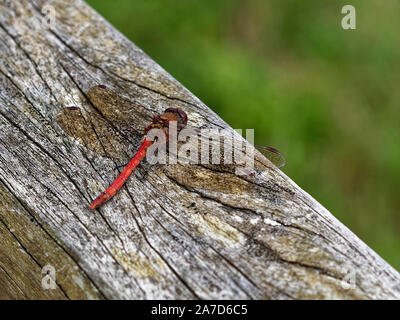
(327, 98)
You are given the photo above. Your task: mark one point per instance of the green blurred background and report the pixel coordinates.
(327, 98)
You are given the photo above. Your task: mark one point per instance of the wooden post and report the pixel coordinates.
(174, 231)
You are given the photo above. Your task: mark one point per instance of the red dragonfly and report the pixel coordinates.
(102, 98)
(159, 122)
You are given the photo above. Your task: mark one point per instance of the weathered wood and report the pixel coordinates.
(174, 231)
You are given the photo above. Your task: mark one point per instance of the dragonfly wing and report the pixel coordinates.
(93, 131)
(272, 154)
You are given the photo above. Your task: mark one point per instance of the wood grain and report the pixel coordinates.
(174, 231)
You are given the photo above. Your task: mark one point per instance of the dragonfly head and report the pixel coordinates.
(178, 113)
(162, 121)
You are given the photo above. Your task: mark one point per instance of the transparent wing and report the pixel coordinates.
(272, 154)
(93, 131)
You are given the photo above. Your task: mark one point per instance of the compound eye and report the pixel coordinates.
(182, 114)
(170, 110)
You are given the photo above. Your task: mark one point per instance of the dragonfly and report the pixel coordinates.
(90, 130)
